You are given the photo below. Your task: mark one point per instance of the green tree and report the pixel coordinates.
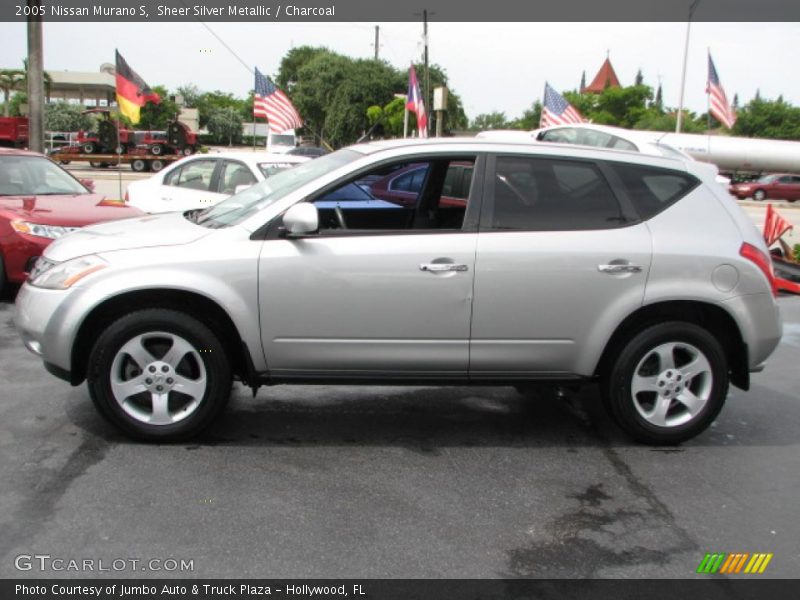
(225, 125)
(209, 102)
(61, 116)
(492, 120)
(774, 119)
(530, 118)
(11, 80)
(191, 94)
(157, 116)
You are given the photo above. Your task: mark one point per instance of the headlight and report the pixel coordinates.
(39, 230)
(60, 276)
(744, 188)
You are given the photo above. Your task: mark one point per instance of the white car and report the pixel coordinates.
(202, 180)
(598, 136)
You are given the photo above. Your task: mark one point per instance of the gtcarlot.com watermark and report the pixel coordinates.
(48, 563)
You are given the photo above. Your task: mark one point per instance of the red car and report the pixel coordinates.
(778, 186)
(39, 202)
(404, 185)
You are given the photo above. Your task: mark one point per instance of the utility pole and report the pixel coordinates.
(377, 40)
(679, 122)
(35, 79)
(427, 93)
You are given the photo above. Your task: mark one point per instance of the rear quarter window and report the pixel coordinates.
(651, 189)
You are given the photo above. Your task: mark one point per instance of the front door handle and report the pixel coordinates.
(442, 267)
(619, 268)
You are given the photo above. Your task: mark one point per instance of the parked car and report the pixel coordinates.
(778, 186)
(598, 136)
(39, 202)
(203, 180)
(566, 263)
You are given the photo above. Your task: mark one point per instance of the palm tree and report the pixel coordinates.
(10, 81)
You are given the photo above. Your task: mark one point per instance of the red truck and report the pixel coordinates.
(14, 131)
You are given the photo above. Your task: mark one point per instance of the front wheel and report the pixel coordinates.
(159, 375)
(157, 149)
(668, 384)
(139, 165)
(156, 165)
(759, 195)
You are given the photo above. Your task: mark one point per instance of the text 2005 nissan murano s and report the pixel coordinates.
(450, 261)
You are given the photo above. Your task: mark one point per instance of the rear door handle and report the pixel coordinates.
(442, 267)
(619, 268)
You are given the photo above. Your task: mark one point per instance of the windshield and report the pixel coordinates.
(768, 179)
(282, 140)
(35, 176)
(241, 206)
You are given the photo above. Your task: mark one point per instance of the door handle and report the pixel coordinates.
(619, 268)
(442, 267)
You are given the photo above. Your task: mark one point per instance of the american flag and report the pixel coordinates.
(719, 107)
(272, 104)
(416, 104)
(556, 110)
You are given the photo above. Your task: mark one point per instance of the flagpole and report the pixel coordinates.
(679, 122)
(405, 122)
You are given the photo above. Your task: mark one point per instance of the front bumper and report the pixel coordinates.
(43, 322)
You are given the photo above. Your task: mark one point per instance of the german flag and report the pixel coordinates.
(132, 91)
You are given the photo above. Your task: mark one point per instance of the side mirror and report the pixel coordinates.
(302, 218)
(241, 188)
(87, 183)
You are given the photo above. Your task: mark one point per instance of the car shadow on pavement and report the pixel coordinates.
(427, 419)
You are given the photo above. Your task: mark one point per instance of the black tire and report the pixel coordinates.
(156, 165)
(683, 342)
(157, 149)
(64, 162)
(188, 151)
(759, 195)
(205, 362)
(139, 165)
(88, 148)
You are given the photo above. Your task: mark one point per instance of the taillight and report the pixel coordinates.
(763, 262)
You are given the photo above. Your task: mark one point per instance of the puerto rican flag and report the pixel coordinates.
(416, 104)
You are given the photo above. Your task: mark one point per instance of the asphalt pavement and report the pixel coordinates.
(372, 482)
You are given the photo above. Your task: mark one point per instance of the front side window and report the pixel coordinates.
(542, 194)
(398, 196)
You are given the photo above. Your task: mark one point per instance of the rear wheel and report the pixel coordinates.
(139, 165)
(759, 195)
(157, 149)
(159, 375)
(156, 165)
(668, 383)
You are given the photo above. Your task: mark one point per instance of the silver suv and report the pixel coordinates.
(455, 261)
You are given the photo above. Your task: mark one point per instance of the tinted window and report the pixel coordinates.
(651, 189)
(536, 194)
(374, 201)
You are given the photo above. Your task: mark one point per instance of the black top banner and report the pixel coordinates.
(386, 10)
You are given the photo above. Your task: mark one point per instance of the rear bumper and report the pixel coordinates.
(760, 323)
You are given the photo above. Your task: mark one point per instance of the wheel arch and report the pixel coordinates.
(196, 305)
(718, 321)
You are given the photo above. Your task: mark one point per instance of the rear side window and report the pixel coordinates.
(651, 189)
(537, 194)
